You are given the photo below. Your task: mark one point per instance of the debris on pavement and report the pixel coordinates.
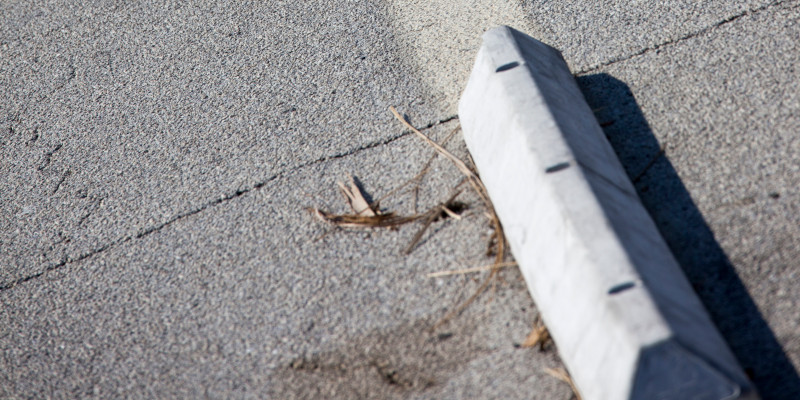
(366, 214)
(539, 336)
(562, 375)
(358, 203)
(462, 271)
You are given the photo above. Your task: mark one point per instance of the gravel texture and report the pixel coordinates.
(156, 158)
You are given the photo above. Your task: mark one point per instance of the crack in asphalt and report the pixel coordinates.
(66, 260)
(682, 38)
(239, 192)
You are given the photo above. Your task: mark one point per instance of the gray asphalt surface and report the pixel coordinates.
(723, 105)
(157, 159)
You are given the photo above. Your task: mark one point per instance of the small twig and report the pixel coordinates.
(450, 213)
(562, 375)
(471, 270)
(469, 301)
(416, 198)
(472, 177)
(459, 164)
(432, 214)
(355, 198)
(421, 173)
(421, 231)
(480, 189)
(360, 221)
(539, 335)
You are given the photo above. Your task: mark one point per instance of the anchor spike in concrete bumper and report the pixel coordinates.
(624, 317)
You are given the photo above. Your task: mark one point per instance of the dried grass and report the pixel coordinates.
(385, 220)
(355, 198)
(539, 336)
(499, 241)
(369, 215)
(562, 375)
(470, 270)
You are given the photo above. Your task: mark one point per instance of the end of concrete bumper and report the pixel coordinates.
(626, 321)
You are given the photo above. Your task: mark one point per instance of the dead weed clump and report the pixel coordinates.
(367, 214)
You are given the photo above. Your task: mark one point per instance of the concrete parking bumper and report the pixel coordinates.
(626, 320)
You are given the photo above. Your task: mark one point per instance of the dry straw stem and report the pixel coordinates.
(367, 216)
(562, 375)
(355, 198)
(386, 220)
(471, 270)
(480, 189)
(418, 178)
(472, 177)
(432, 215)
(539, 335)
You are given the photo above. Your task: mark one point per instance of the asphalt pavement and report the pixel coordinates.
(158, 159)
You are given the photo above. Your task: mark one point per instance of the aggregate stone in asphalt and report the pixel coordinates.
(724, 193)
(119, 117)
(156, 160)
(440, 38)
(249, 299)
